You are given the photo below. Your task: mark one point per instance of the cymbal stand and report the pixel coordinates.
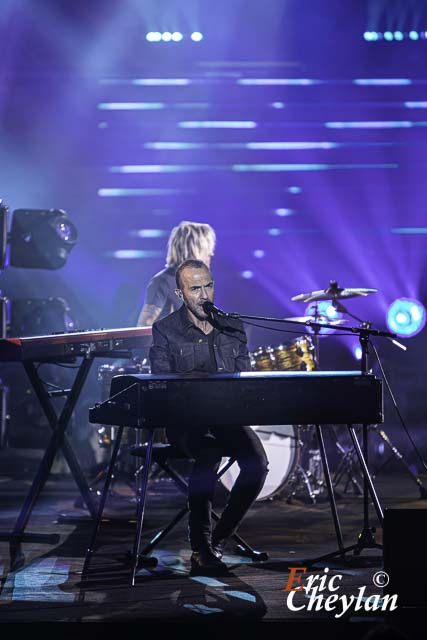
(302, 479)
(366, 538)
(397, 454)
(347, 465)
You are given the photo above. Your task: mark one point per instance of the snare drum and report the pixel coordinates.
(263, 359)
(298, 355)
(281, 446)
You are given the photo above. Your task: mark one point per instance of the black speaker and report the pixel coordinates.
(405, 555)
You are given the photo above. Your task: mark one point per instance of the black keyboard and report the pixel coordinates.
(249, 398)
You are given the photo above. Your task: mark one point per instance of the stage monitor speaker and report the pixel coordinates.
(405, 555)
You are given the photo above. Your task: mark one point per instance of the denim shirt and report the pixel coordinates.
(180, 347)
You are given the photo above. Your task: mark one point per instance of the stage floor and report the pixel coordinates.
(47, 586)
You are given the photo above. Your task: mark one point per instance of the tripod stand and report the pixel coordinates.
(306, 480)
(347, 465)
(396, 453)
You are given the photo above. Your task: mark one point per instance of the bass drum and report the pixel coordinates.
(281, 445)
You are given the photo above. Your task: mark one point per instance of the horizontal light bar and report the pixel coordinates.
(382, 124)
(150, 82)
(131, 254)
(181, 146)
(309, 167)
(115, 192)
(185, 168)
(130, 106)
(164, 168)
(410, 230)
(148, 233)
(217, 124)
(381, 82)
(280, 146)
(390, 36)
(277, 81)
(290, 145)
(416, 105)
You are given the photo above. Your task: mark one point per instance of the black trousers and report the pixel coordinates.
(207, 447)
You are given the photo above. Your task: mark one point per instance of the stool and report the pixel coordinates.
(161, 453)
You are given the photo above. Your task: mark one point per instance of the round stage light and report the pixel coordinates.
(196, 36)
(153, 36)
(406, 317)
(371, 36)
(357, 351)
(166, 36)
(388, 35)
(398, 35)
(177, 36)
(414, 35)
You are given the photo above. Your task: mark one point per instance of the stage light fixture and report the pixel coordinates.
(196, 36)
(166, 36)
(357, 351)
(177, 36)
(153, 36)
(392, 36)
(40, 238)
(406, 317)
(40, 316)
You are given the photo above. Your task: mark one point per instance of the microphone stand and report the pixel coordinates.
(365, 538)
(423, 492)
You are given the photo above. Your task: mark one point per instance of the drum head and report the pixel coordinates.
(280, 442)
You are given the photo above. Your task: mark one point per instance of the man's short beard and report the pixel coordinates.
(197, 312)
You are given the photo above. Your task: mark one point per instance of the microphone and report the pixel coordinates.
(210, 308)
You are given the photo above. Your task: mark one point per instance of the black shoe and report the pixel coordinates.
(206, 562)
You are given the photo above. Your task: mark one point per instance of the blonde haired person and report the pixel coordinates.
(187, 241)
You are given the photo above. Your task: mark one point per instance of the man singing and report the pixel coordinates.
(190, 340)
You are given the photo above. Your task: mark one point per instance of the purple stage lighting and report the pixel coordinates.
(406, 317)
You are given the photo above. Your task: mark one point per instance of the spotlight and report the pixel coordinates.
(388, 35)
(177, 36)
(196, 36)
(41, 239)
(38, 316)
(357, 351)
(398, 35)
(414, 35)
(406, 317)
(166, 36)
(153, 36)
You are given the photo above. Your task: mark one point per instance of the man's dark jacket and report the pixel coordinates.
(178, 345)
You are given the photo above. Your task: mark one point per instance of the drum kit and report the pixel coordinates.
(294, 459)
(295, 464)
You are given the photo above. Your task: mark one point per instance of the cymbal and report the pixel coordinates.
(316, 319)
(334, 292)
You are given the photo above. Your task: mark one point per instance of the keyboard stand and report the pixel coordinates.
(58, 440)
